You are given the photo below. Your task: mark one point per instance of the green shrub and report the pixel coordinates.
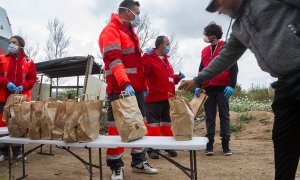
(246, 104)
(188, 95)
(245, 117)
(235, 127)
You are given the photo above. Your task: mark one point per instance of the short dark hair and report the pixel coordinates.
(128, 4)
(159, 40)
(21, 41)
(212, 29)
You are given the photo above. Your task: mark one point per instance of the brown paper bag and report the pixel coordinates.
(72, 116)
(198, 102)
(129, 119)
(89, 120)
(38, 113)
(47, 120)
(18, 125)
(182, 118)
(12, 99)
(59, 122)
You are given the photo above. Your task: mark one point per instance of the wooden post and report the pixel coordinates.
(88, 71)
(77, 86)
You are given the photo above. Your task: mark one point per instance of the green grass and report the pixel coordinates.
(245, 117)
(235, 127)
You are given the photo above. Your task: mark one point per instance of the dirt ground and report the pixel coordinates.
(252, 158)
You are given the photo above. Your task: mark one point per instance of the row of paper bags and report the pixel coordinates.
(70, 121)
(129, 120)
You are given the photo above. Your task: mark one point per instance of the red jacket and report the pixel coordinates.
(160, 77)
(119, 46)
(18, 70)
(207, 57)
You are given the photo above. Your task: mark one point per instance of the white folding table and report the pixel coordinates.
(154, 142)
(3, 131)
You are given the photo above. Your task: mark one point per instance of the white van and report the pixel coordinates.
(5, 31)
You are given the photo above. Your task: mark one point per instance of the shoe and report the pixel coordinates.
(226, 149)
(172, 153)
(209, 151)
(19, 156)
(144, 167)
(117, 174)
(3, 158)
(153, 154)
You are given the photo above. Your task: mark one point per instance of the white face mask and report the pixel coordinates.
(206, 39)
(136, 21)
(12, 48)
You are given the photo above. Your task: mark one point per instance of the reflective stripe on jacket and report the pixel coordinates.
(119, 46)
(160, 77)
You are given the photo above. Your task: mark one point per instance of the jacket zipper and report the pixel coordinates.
(16, 70)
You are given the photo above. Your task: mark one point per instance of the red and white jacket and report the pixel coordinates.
(160, 77)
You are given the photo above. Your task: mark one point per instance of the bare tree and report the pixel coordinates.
(57, 44)
(147, 34)
(58, 41)
(31, 49)
(145, 31)
(176, 60)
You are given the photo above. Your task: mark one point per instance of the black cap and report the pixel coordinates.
(212, 6)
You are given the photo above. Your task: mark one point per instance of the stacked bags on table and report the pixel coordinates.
(70, 121)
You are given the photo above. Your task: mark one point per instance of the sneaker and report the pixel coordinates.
(153, 154)
(3, 158)
(144, 167)
(226, 149)
(172, 153)
(209, 151)
(19, 156)
(117, 174)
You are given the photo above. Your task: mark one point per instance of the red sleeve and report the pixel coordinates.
(110, 47)
(30, 78)
(3, 80)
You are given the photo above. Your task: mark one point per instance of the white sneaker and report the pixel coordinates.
(3, 158)
(20, 157)
(117, 174)
(144, 167)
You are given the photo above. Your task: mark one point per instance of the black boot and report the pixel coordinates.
(226, 149)
(153, 153)
(209, 151)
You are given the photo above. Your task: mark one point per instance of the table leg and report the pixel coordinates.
(100, 163)
(195, 165)
(90, 164)
(23, 161)
(9, 161)
(192, 164)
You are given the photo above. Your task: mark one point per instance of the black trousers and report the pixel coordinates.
(286, 129)
(217, 99)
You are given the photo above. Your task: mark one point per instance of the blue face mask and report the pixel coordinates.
(12, 48)
(166, 50)
(136, 21)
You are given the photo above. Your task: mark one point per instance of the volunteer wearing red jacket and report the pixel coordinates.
(119, 46)
(161, 82)
(218, 90)
(17, 74)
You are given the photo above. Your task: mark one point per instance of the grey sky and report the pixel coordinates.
(84, 20)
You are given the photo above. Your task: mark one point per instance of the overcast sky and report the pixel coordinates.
(84, 20)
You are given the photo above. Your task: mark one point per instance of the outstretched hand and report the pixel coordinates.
(187, 85)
